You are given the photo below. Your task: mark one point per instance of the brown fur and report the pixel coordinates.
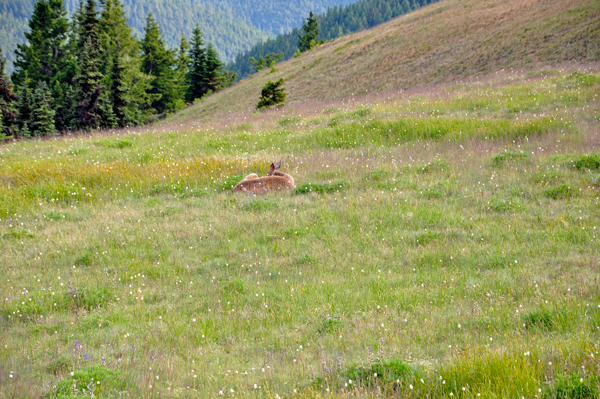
(274, 180)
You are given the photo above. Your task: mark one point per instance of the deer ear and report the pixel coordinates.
(273, 167)
(278, 165)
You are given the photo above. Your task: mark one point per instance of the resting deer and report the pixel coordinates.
(274, 180)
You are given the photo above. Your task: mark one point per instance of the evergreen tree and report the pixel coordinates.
(7, 98)
(66, 107)
(42, 113)
(182, 67)
(88, 87)
(106, 115)
(160, 63)
(42, 57)
(89, 76)
(197, 76)
(118, 93)
(25, 110)
(121, 65)
(213, 69)
(272, 94)
(311, 32)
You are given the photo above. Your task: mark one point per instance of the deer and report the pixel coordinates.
(274, 180)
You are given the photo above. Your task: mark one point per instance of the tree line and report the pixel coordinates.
(91, 72)
(336, 22)
(231, 25)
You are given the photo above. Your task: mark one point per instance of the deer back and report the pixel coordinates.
(275, 180)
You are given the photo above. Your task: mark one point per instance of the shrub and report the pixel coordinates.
(505, 157)
(93, 381)
(272, 94)
(574, 386)
(382, 372)
(591, 162)
(561, 192)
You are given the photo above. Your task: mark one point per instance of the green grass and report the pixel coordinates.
(434, 245)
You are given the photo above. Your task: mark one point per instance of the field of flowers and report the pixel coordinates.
(440, 243)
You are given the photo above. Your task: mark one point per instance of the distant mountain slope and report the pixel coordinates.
(336, 22)
(231, 25)
(440, 43)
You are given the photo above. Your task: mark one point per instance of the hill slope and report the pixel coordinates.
(440, 43)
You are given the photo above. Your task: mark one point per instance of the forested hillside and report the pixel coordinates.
(337, 22)
(231, 25)
(93, 73)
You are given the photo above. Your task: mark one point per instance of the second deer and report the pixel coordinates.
(274, 180)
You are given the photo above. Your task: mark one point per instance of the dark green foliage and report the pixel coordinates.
(213, 69)
(331, 325)
(121, 63)
(196, 75)
(205, 69)
(84, 383)
(7, 98)
(233, 287)
(561, 192)
(24, 109)
(591, 162)
(336, 22)
(42, 114)
(272, 94)
(118, 93)
(573, 386)
(231, 25)
(88, 299)
(159, 63)
(380, 372)
(544, 319)
(42, 57)
(308, 39)
(183, 61)
(88, 103)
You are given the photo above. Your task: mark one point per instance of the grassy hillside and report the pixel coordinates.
(442, 242)
(436, 243)
(440, 43)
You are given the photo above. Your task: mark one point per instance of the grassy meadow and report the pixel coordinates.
(441, 242)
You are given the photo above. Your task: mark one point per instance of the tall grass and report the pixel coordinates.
(426, 263)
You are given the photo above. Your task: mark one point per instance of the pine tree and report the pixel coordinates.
(272, 94)
(42, 57)
(118, 93)
(213, 69)
(197, 76)
(65, 106)
(88, 88)
(106, 115)
(42, 114)
(89, 76)
(183, 60)
(311, 32)
(160, 63)
(7, 98)
(25, 110)
(121, 67)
